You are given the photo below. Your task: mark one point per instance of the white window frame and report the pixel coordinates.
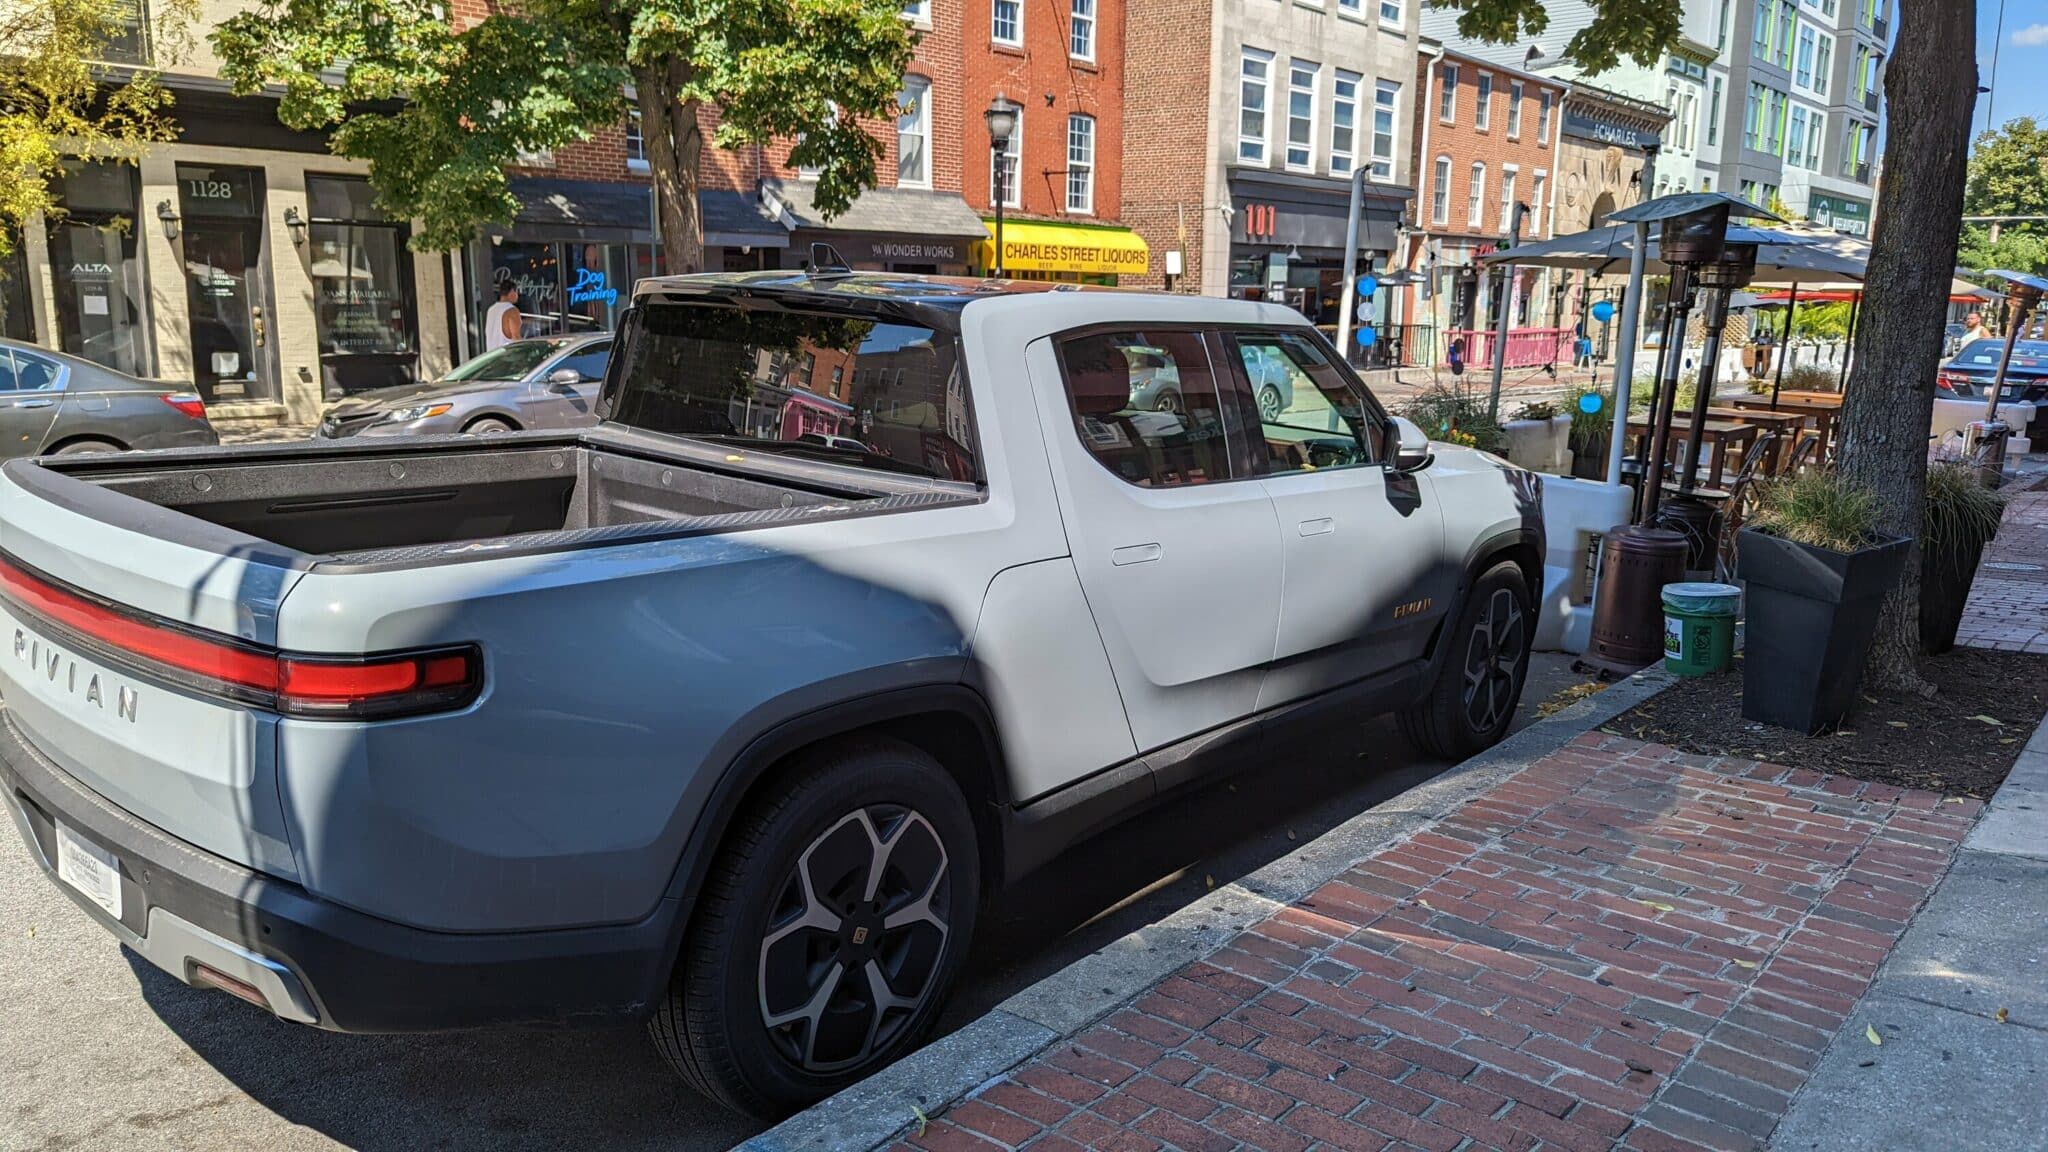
(1011, 158)
(1081, 165)
(1514, 109)
(1539, 187)
(633, 132)
(1262, 143)
(1352, 8)
(1081, 30)
(1508, 173)
(1392, 13)
(1546, 105)
(1386, 97)
(1307, 163)
(1342, 159)
(1440, 195)
(919, 89)
(918, 12)
(1475, 197)
(1016, 37)
(1447, 98)
(1482, 102)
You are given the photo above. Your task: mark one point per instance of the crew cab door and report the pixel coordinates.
(1365, 580)
(1179, 559)
(31, 389)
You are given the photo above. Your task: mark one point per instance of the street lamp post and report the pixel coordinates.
(1002, 124)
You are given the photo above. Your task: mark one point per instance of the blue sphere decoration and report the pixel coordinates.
(1592, 402)
(1368, 285)
(1603, 311)
(1367, 337)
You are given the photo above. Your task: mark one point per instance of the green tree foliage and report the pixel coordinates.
(1637, 29)
(439, 111)
(1828, 321)
(59, 99)
(2007, 179)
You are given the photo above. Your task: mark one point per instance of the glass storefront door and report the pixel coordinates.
(362, 289)
(94, 266)
(227, 283)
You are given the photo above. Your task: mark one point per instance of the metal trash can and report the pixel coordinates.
(1627, 626)
(1699, 627)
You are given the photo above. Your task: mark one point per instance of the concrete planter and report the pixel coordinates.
(1540, 445)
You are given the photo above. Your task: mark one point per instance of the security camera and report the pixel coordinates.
(1228, 213)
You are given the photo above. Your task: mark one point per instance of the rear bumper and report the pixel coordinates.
(318, 962)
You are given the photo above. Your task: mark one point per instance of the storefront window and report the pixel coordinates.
(598, 285)
(362, 288)
(16, 323)
(93, 262)
(564, 287)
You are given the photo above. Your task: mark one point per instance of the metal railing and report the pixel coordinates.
(1527, 347)
(1398, 346)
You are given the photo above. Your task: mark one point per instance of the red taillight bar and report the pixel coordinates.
(391, 684)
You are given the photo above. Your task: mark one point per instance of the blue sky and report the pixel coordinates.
(2022, 59)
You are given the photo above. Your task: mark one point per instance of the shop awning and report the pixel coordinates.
(738, 220)
(1034, 246)
(905, 211)
(594, 210)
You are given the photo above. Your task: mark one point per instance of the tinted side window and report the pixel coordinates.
(1146, 406)
(1310, 416)
(589, 363)
(22, 372)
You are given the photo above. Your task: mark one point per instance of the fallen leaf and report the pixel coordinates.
(1425, 904)
(1657, 906)
(2010, 740)
(1870, 1031)
(1290, 833)
(1898, 723)
(922, 1120)
(1866, 1063)
(1991, 720)
(1845, 731)
(1645, 1069)
(1953, 800)
(2001, 1016)
(1208, 882)
(1745, 963)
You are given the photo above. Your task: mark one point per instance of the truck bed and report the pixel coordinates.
(403, 501)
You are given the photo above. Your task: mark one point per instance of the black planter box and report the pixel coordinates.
(1810, 614)
(1945, 578)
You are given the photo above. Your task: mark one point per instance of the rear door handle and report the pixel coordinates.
(1318, 527)
(33, 403)
(1135, 554)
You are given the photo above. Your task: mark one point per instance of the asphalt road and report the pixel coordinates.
(100, 1050)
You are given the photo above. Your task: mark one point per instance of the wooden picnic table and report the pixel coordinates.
(1822, 408)
(1717, 436)
(1787, 422)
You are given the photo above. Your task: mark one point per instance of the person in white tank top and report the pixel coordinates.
(501, 323)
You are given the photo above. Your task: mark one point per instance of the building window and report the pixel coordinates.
(914, 133)
(1721, 30)
(1440, 194)
(1774, 123)
(1082, 39)
(1390, 12)
(1344, 122)
(1475, 201)
(1714, 114)
(1354, 7)
(1081, 163)
(1753, 118)
(1823, 63)
(1301, 115)
(1795, 139)
(1002, 172)
(1255, 72)
(1385, 97)
(1543, 119)
(1006, 22)
(636, 144)
(1760, 31)
(1802, 73)
(1507, 197)
(1482, 115)
(1787, 11)
(1817, 123)
(918, 12)
(1447, 104)
(1514, 109)
(1538, 185)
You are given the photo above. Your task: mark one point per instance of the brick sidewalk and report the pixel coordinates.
(2008, 606)
(1621, 946)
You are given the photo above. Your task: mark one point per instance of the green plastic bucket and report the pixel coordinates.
(1699, 627)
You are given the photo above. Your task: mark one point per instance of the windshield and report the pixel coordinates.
(512, 362)
(856, 390)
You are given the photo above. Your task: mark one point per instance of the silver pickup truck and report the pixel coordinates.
(870, 594)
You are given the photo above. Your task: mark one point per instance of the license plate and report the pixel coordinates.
(90, 869)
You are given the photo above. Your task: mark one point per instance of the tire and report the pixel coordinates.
(488, 426)
(747, 1021)
(1485, 665)
(1168, 400)
(1270, 404)
(87, 448)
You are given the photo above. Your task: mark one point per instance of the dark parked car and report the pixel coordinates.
(1969, 375)
(51, 402)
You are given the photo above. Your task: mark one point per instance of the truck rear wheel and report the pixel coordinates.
(828, 932)
(1480, 681)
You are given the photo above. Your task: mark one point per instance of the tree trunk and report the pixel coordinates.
(675, 146)
(1888, 406)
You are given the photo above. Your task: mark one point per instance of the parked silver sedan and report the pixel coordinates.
(547, 382)
(54, 403)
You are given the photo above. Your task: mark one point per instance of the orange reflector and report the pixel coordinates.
(239, 989)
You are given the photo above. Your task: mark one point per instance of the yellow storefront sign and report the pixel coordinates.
(1029, 246)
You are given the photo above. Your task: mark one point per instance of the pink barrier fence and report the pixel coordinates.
(1527, 347)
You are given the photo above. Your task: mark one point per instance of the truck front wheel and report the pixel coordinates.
(1479, 682)
(828, 932)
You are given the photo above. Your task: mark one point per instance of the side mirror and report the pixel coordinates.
(564, 380)
(1410, 447)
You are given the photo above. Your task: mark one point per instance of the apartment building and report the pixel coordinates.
(1245, 124)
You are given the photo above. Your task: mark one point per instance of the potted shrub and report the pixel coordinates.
(1441, 410)
(1960, 518)
(1536, 437)
(1815, 571)
(1588, 434)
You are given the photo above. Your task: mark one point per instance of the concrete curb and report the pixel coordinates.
(880, 1107)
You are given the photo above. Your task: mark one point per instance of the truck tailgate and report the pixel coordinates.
(201, 768)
